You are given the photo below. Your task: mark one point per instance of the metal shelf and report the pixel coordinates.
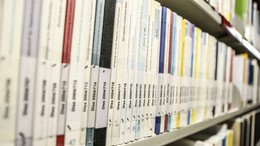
(175, 135)
(206, 18)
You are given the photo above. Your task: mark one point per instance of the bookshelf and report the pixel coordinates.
(178, 134)
(198, 11)
(205, 17)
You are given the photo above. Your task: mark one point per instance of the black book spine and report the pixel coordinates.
(105, 58)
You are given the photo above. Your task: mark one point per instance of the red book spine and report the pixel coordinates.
(70, 8)
(67, 40)
(169, 69)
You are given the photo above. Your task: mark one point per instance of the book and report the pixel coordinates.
(181, 96)
(27, 76)
(88, 110)
(130, 75)
(230, 88)
(178, 32)
(9, 66)
(134, 68)
(119, 91)
(165, 105)
(141, 67)
(170, 67)
(147, 82)
(64, 70)
(172, 116)
(192, 74)
(239, 77)
(255, 80)
(95, 89)
(113, 45)
(41, 116)
(122, 72)
(57, 68)
(161, 73)
(81, 51)
(155, 63)
(56, 60)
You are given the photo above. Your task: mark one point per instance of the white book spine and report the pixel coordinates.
(54, 67)
(149, 122)
(156, 11)
(27, 71)
(41, 114)
(89, 101)
(58, 39)
(120, 77)
(122, 70)
(141, 67)
(130, 74)
(12, 26)
(146, 96)
(134, 69)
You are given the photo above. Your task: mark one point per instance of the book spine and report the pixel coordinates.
(65, 66)
(122, 70)
(137, 16)
(112, 45)
(27, 71)
(169, 86)
(88, 110)
(55, 54)
(145, 99)
(148, 120)
(165, 82)
(173, 71)
(181, 63)
(40, 128)
(161, 72)
(193, 38)
(80, 56)
(231, 80)
(119, 90)
(58, 34)
(130, 73)
(55, 65)
(97, 83)
(11, 28)
(141, 67)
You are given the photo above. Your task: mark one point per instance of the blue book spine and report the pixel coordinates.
(161, 72)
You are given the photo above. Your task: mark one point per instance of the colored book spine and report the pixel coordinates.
(161, 72)
(65, 60)
(100, 91)
(167, 125)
